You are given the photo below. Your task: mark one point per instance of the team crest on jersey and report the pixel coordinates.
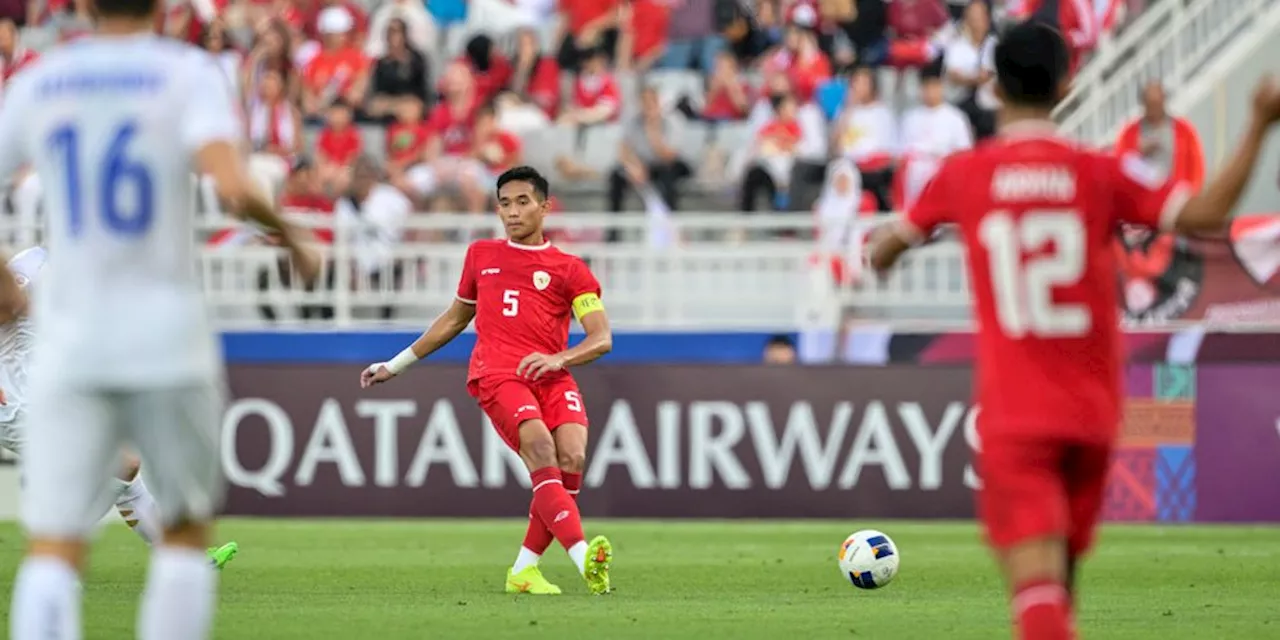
(541, 280)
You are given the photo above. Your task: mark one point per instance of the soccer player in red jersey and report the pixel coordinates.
(521, 292)
(1037, 214)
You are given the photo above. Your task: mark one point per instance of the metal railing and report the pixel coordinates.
(726, 271)
(1171, 41)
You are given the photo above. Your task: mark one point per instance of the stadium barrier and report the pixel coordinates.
(1201, 443)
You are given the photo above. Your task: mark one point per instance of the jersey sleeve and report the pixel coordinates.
(582, 291)
(211, 114)
(1142, 197)
(931, 209)
(467, 283)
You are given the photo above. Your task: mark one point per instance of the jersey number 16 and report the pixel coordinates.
(1023, 289)
(121, 216)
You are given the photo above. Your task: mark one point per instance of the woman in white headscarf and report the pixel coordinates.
(835, 261)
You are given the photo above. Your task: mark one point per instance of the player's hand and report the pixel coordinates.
(376, 373)
(1266, 100)
(3, 400)
(535, 365)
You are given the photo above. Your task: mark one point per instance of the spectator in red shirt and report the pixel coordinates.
(448, 161)
(311, 15)
(728, 95)
(915, 25)
(591, 25)
(596, 97)
(776, 145)
(407, 139)
(801, 61)
(643, 38)
(498, 150)
(271, 51)
(489, 68)
(1074, 19)
(340, 70)
(536, 77)
(13, 56)
(337, 147)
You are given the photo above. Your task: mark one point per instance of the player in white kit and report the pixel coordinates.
(129, 492)
(115, 124)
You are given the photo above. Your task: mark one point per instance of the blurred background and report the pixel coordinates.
(718, 163)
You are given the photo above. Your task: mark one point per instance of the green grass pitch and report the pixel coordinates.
(383, 580)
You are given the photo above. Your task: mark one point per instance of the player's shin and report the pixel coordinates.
(46, 600)
(1036, 569)
(181, 591)
(538, 537)
(559, 512)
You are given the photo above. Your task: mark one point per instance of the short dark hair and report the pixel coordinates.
(1031, 63)
(524, 173)
(780, 340)
(126, 8)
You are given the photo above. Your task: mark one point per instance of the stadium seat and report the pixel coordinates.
(830, 96)
(691, 142)
(673, 84)
(374, 138)
(541, 147)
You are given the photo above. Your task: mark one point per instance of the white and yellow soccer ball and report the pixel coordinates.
(869, 559)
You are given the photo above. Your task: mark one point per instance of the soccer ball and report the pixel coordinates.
(869, 559)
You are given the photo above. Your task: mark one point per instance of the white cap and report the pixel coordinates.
(335, 20)
(805, 16)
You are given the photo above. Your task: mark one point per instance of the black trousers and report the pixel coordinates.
(664, 176)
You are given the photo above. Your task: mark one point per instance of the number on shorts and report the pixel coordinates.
(511, 303)
(1024, 288)
(573, 400)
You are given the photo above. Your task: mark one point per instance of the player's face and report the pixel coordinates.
(521, 210)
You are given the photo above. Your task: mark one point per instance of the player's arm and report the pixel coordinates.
(445, 328)
(211, 130)
(1211, 209)
(13, 299)
(889, 241)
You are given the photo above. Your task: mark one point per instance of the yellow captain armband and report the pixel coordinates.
(585, 304)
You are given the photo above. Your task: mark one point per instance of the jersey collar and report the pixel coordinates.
(529, 247)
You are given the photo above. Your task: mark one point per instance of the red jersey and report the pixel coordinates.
(499, 151)
(406, 142)
(649, 20)
(524, 298)
(1037, 214)
(590, 92)
(454, 129)
(339, 147)
(340, 67)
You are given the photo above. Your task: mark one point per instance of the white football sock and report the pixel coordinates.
(179, 600)
(138, 508)
(579, 554)
(525, 559)
(46, 601)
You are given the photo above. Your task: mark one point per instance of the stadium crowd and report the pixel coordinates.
(759, 103)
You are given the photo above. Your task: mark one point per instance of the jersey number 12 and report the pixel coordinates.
(121, 216)
(1023, 289)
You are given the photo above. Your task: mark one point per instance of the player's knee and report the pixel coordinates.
(571, 461)
(537, 447)
(72, 552)
(129, 469)
(1037, 559)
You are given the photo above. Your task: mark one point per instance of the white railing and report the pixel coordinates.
(1171, 41)
(726, 271)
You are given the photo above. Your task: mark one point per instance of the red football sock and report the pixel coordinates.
(538, 537)
(555, 508)
(1043, 612)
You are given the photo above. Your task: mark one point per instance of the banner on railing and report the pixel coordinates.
(729, 442)
(1230, 279)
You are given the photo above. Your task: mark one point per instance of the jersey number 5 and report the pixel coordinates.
(511, 303)
(121, 216)
(1024, 288)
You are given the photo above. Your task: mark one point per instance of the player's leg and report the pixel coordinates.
(571, 451)
(551, 502)
(1023, 505)
(65, 464)
(176, 432)
(561, 404)
(1086, 476)
(508, 404)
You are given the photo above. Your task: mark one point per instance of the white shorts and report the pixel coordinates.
(11, 432)
(75, 451)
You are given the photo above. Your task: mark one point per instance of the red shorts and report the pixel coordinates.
(1037, 487)
(509, 402)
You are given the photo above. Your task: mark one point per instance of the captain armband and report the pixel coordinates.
(585, 304)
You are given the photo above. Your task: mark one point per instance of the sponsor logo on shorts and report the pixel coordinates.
(541, 280)
(524, 409)
(561, 516)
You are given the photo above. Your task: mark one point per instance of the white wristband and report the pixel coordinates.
(402, 361)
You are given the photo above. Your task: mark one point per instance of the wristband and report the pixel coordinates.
(402, 361)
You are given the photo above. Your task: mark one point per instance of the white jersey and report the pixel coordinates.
(111, 125)
(17, 337)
